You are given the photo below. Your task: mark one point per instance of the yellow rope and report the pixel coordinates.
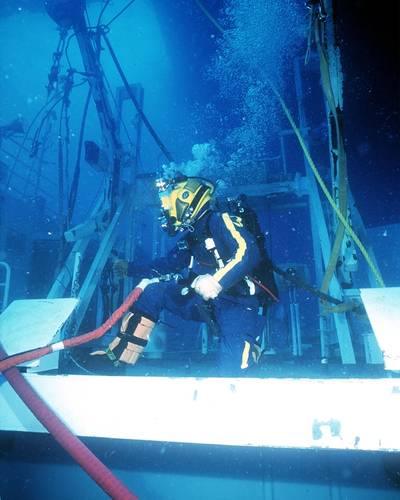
(210, 16)
(341, 155)
(325, 190)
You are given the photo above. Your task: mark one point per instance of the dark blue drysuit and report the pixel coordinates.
(236, 310)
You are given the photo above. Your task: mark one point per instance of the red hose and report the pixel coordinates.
(71, 444)
(23, 357)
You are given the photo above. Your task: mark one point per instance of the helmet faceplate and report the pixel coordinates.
(182, 200)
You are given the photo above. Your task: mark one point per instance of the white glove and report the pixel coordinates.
(146, 281)
(206, 286)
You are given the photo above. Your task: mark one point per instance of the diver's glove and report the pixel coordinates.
(206, 286)
(120, 268)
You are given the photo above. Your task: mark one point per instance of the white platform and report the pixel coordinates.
(28, 324)
(354, 414)
(383, 309)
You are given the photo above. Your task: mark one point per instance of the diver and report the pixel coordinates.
(211, 265)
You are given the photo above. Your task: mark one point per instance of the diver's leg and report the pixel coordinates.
(240, 325)
(138, 324)
(165, 295)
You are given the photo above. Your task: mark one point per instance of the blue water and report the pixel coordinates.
(207, 80)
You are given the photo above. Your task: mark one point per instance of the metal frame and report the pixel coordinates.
(109, 205)
(5, 285)
(319, 222)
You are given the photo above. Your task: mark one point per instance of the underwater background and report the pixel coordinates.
(205, 73)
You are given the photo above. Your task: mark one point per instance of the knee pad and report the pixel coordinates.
(132, 339)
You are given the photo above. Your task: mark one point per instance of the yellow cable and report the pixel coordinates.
(210, 16)
(341, 156)
(325, 190)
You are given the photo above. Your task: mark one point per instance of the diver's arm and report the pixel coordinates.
(176, 259)
(244, 255)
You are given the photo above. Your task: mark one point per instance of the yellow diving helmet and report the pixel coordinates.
(182, 201)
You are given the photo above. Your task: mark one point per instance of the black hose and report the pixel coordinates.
(75, 180)
(152, 132)
(102, 12)
(120, 12)
(290, 275)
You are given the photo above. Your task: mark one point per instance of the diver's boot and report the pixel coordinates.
(131, 341)
(257, 351)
